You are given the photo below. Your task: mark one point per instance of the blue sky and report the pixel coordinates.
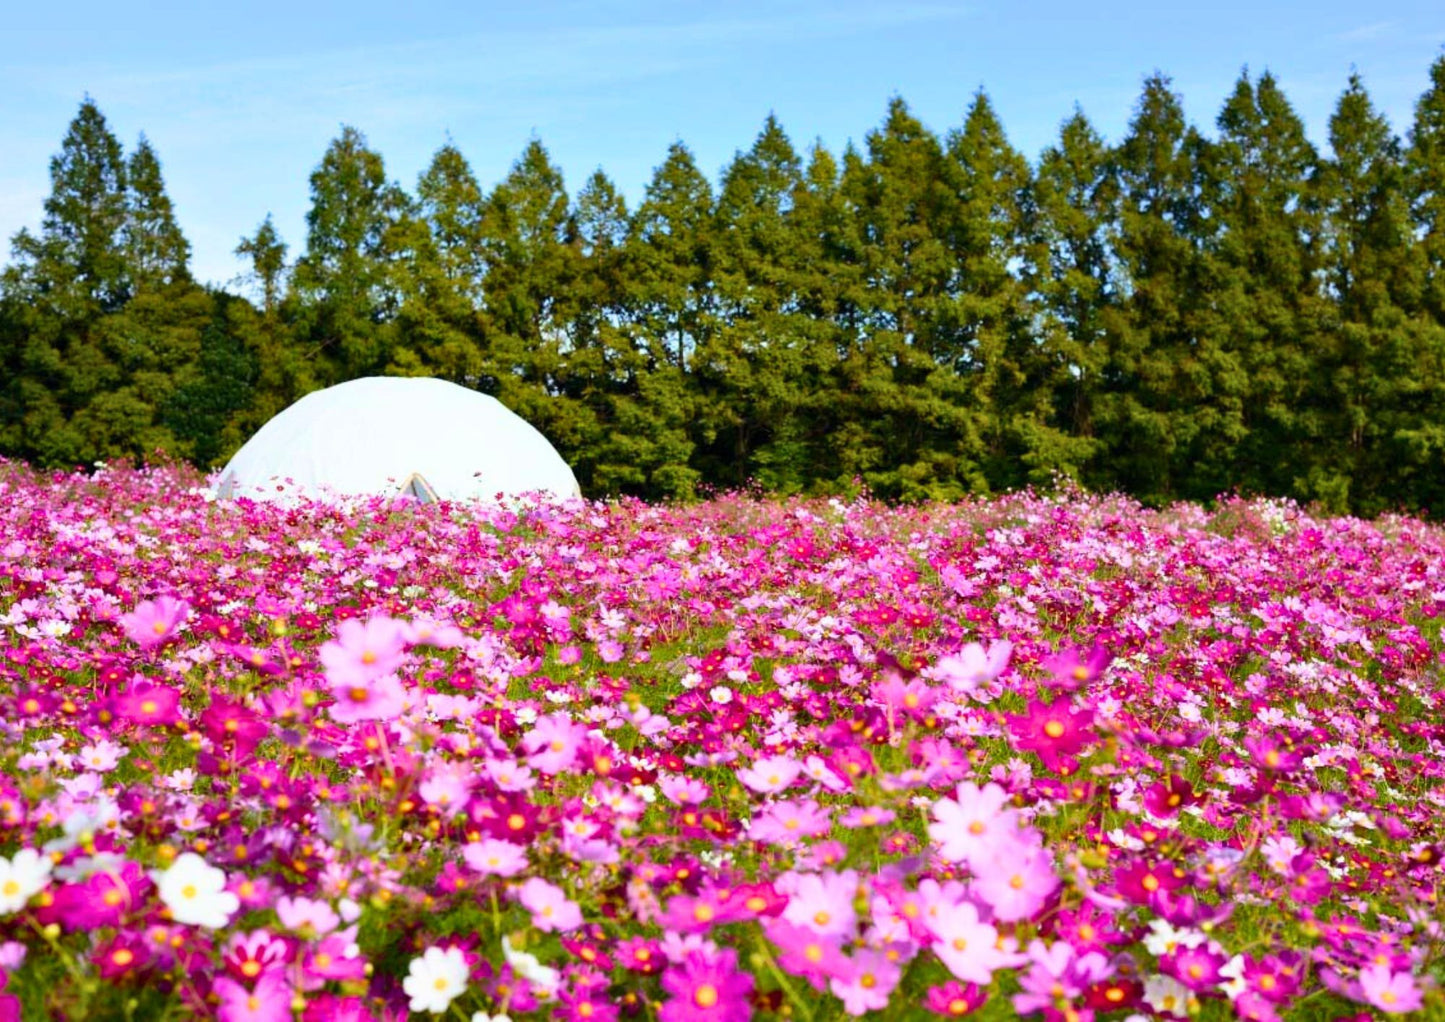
(240, 100)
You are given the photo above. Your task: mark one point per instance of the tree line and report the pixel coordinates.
(1176, 315)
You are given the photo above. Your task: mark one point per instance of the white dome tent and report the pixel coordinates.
(424, 437)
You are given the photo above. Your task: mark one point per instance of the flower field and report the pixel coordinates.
(1061, 757)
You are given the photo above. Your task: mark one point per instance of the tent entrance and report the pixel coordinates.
(417, 487)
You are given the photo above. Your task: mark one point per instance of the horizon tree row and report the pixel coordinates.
(1174, 316)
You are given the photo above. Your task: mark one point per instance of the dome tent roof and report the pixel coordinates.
(391, 435)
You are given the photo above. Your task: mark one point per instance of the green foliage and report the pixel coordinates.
(1176, 315)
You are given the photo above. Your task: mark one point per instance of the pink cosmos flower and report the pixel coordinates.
(788, 823)
(807, 953)
(1390, 991)
(822, 902)
(684, 790)
(446, 786)
(308, 918)
(1057, 731)
(150, 706)
(268, 1001)
(553, 742)
(251, 955)
(154, 621)
(972, 823)
(491, 857)
(707, 988)
(377, 698)
(1016, 879)
(954, 1000)
(973, 666)
(551, 909)
(871, 977)
(770, 775)
(363, 651)
(967, 945)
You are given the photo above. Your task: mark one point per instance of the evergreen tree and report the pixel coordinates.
(991, 339)
(670, 260)
(1385, 367)
(267, 253)
(1261, 194)
(1070, 269)
(753, 372)
(1172, 395)
(344, 283)
(910, 428)
(59, 289)
(156, 253)
(1425, 164)
(440, 322)
(280, 373)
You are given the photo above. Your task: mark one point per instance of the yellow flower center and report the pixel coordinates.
(705, 996)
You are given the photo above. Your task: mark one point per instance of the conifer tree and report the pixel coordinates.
(913, 432)
(156, 253)
(1385, 365)
(439, 319)
(1260, 185)
(670, 260)
(1070, 269)
(344, 284)
(1172, 392)
(753, 371)
(991, 340)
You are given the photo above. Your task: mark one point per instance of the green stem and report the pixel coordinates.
(787, 988)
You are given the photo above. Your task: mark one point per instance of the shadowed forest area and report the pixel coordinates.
(1176, 314)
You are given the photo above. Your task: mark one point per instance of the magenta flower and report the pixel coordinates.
(706, 988)
(1056, 731)
(150, 706)
(551, 909)
(954, 1000)
(268, 1001)
(154, 621)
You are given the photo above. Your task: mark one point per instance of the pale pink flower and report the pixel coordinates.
(378, 698)
(823, 902)
(967, 945)
(972, 823)
(870, 980)
(1390, 991)
(771, 775)
(447, 786)
(154, 621)
(492, 857)
(363, 650)
(307, 917)
(552, 743)
(1016, 879)
(550, 907)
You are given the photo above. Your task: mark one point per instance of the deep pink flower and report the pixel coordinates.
(955, 1000)
(268, 1001)
(707, 988)
(1056, 731)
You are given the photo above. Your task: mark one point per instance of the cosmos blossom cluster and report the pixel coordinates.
(1059, 757)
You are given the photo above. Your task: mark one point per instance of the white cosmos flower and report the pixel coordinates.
(529, 967)
(195, 892)
(436, 979)
(21, 878)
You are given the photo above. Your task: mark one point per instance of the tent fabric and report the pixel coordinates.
(389, 435)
